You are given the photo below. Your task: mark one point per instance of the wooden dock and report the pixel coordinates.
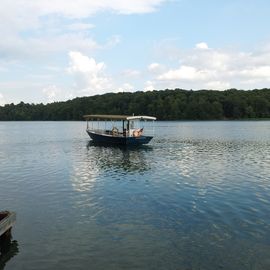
(7, 220)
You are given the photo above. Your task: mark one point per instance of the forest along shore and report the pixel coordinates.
(175, 104)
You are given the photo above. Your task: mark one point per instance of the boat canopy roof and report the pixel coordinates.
(118, 117)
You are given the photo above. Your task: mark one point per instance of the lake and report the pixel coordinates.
(197, 197)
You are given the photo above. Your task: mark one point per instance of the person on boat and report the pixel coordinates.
(137, 132)
(114, 131)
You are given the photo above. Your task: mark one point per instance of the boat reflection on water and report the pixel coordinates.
(8, 249)
(113, 160)
(120, 157)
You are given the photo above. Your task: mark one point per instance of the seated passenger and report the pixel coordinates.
(137, 132)
(114, 131)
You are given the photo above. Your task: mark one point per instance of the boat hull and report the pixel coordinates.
(110, 139)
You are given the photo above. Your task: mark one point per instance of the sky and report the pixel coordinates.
(56, 50)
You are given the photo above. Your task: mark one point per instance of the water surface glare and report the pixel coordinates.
(197, 197)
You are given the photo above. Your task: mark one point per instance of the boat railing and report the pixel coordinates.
(107, 132)
(99, 131)
(120, 133)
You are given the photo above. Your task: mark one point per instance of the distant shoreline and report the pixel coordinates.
(165, 105)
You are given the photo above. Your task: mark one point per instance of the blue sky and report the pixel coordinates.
(61, 49)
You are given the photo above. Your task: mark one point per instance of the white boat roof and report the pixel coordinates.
(141, 117)
(118, 117)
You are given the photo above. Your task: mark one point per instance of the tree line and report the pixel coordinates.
(167, 104)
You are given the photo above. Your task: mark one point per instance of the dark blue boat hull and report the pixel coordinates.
(102, 138)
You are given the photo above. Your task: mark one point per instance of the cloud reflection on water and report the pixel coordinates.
(101, 160)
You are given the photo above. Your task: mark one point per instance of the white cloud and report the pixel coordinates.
(38, 25)
(3, 69)
(85, 8)
(2, 100)
(38, 31)
(90, 77)
(80, 26)
(211, 59)
(37, 28)
(149, 86)
(69, 96)
(217, 85)
(202, 46)
(111, 42)
(15, 47)
(20, 85)
(126, 87)
(54, 69)
(155, 67)
(257, 72)
(84, 64)
(185, 73)
(131, 73)
(204, 67)
(22, 14)
(52, 93)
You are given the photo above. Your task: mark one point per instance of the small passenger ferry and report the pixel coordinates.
(120, 129)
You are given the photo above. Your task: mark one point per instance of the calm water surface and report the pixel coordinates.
(198, 197)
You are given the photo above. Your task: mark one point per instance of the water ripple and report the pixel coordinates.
(196, 198)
